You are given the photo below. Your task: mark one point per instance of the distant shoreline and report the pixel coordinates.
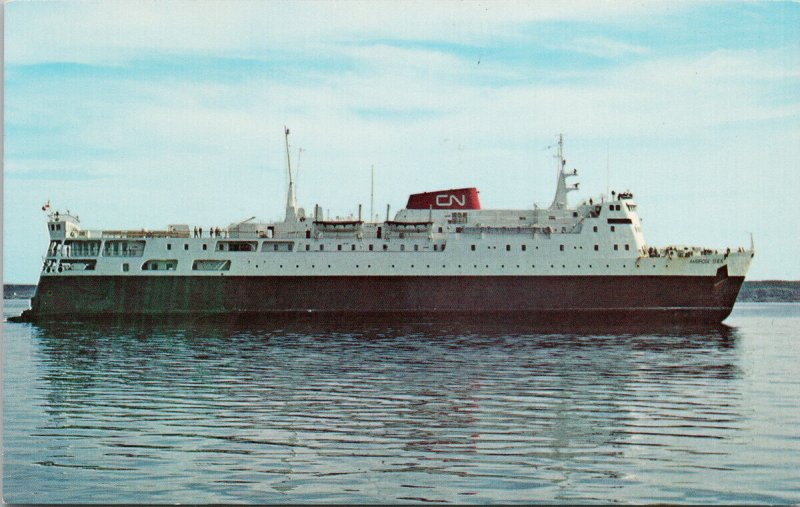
(762, 291)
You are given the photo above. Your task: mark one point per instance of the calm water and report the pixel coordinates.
(408, 413)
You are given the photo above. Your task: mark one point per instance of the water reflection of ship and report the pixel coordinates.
(454, 395)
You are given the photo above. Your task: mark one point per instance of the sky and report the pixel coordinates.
(138, 114)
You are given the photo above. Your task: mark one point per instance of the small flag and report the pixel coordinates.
(46, 206)
(287, 130)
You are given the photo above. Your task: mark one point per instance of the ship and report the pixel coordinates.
(443, 255)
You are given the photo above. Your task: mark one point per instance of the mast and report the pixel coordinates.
(372, 194)
(291, 203)
(560, 199)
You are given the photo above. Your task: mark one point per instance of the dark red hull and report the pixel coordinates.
(540, 299)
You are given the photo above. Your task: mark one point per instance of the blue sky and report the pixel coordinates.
(141, 114)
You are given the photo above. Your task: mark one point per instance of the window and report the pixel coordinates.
(524, 247)
(402, 248)
(126, 267)
(618, 208)
(416, 248)
(169, 246)
(308, 234)
(435, 248)
(616, 247)
(211, 265)
(508, 248)
(385, 247)
(205, 246)
(610, 207)
(353, 248)
(472, 247)
(561, 247)
(238, 246)
(596, 248)
(370, 248)
(185, 246)
(160, 265)
(627, 247)
(308, 247)
(321, 248)
(612, 228)
(594, 229)
(339, 247)
(440, 229)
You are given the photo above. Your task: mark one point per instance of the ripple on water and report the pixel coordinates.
(400, 413)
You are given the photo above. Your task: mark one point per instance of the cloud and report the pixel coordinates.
(604, 47)
(114, 31)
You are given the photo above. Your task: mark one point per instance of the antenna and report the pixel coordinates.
(288, 159)
(372, 192)
(608, 168)
(291, 203)
(560, 199)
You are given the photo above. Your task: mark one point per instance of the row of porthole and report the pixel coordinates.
(444, 266)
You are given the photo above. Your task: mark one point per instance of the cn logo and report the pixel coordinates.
(449, 199)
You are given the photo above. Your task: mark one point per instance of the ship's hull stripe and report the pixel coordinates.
(699, 298)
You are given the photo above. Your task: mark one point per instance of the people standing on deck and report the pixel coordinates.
(216, 232)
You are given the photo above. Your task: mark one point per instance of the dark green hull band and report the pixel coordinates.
(538, 298)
